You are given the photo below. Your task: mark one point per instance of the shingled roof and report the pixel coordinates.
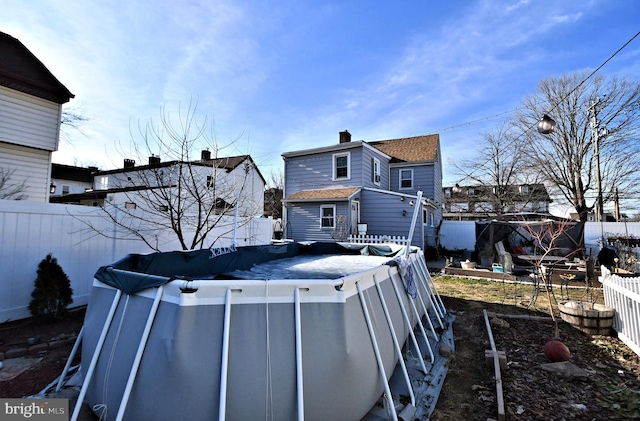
(22, 71)
(410, 149)
(324, 194)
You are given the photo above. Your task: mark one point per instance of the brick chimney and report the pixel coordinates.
(205, 155)
(345, 137)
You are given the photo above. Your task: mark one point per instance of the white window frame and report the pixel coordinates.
(400, 171)
(335, 167)
(333, 216)
(376, 171)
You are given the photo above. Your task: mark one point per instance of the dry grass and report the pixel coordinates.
(514, 297)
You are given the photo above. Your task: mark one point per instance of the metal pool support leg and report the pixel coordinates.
(405, 316)
(396, 344)
(96, 354)
(426, 315)
(76, 345)
(376, 350)
(429, 294)
(432, 285)
(138, 358)
(224, 365)
(299, 373)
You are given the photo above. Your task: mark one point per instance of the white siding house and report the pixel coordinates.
(31, 101)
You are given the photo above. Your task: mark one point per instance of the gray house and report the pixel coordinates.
(335, 191)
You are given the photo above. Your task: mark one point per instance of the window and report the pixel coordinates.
(341, 164)
(406, 179)
(524, 189)
(103, 182)
(65, 189)
(471, 192)
(209, 181)
(327, 216)
(129, 205)
(447, 193)
(376, 171)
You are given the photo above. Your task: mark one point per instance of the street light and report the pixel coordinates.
(546, 124)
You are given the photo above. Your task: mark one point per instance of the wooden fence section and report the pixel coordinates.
(623, 294)
(378, 239)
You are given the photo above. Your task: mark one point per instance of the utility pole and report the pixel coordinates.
(616, 200)
(596, 134)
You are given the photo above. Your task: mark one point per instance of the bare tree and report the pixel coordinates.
(499, 167)
(196, 201)
(9, 190)
(71, 119)
(567, 157)
(274, 195)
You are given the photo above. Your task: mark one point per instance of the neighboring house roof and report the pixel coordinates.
(410, 149)
(324, 194)
(72, 173)
(20, 70)
(537, 192)
(227, 163)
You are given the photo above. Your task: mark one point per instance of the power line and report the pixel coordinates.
(509, 144)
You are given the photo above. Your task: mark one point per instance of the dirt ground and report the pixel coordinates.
(15, 335)
(611, 390)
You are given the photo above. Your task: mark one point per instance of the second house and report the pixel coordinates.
(357, 187)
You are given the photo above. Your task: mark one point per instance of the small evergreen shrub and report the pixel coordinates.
(52, 293)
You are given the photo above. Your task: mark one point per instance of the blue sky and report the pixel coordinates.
(290, 75)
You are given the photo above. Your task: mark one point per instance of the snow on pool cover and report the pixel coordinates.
(311, 267)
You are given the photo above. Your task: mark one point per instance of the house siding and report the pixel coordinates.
(29, 121)
(423, 179)
(30, 166)
(312, 172)
(303, 223)
(382, 212)
(368, 154)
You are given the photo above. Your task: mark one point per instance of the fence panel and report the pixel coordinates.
(30, 230)
(623, 294)
(458, 235)
(378, 239)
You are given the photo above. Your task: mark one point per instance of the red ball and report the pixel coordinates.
(556, 351)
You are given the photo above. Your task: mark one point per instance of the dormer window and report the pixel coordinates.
(341, 166)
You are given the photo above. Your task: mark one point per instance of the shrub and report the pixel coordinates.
(52, 293)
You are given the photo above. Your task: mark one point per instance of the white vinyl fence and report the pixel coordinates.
(378, 239)
(623, 294)
(30, 230)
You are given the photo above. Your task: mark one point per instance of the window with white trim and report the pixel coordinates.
(406, 179)
(341, 166)
(327, 216)
(376, 171)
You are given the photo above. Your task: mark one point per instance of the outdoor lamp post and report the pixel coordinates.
(546, 124)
